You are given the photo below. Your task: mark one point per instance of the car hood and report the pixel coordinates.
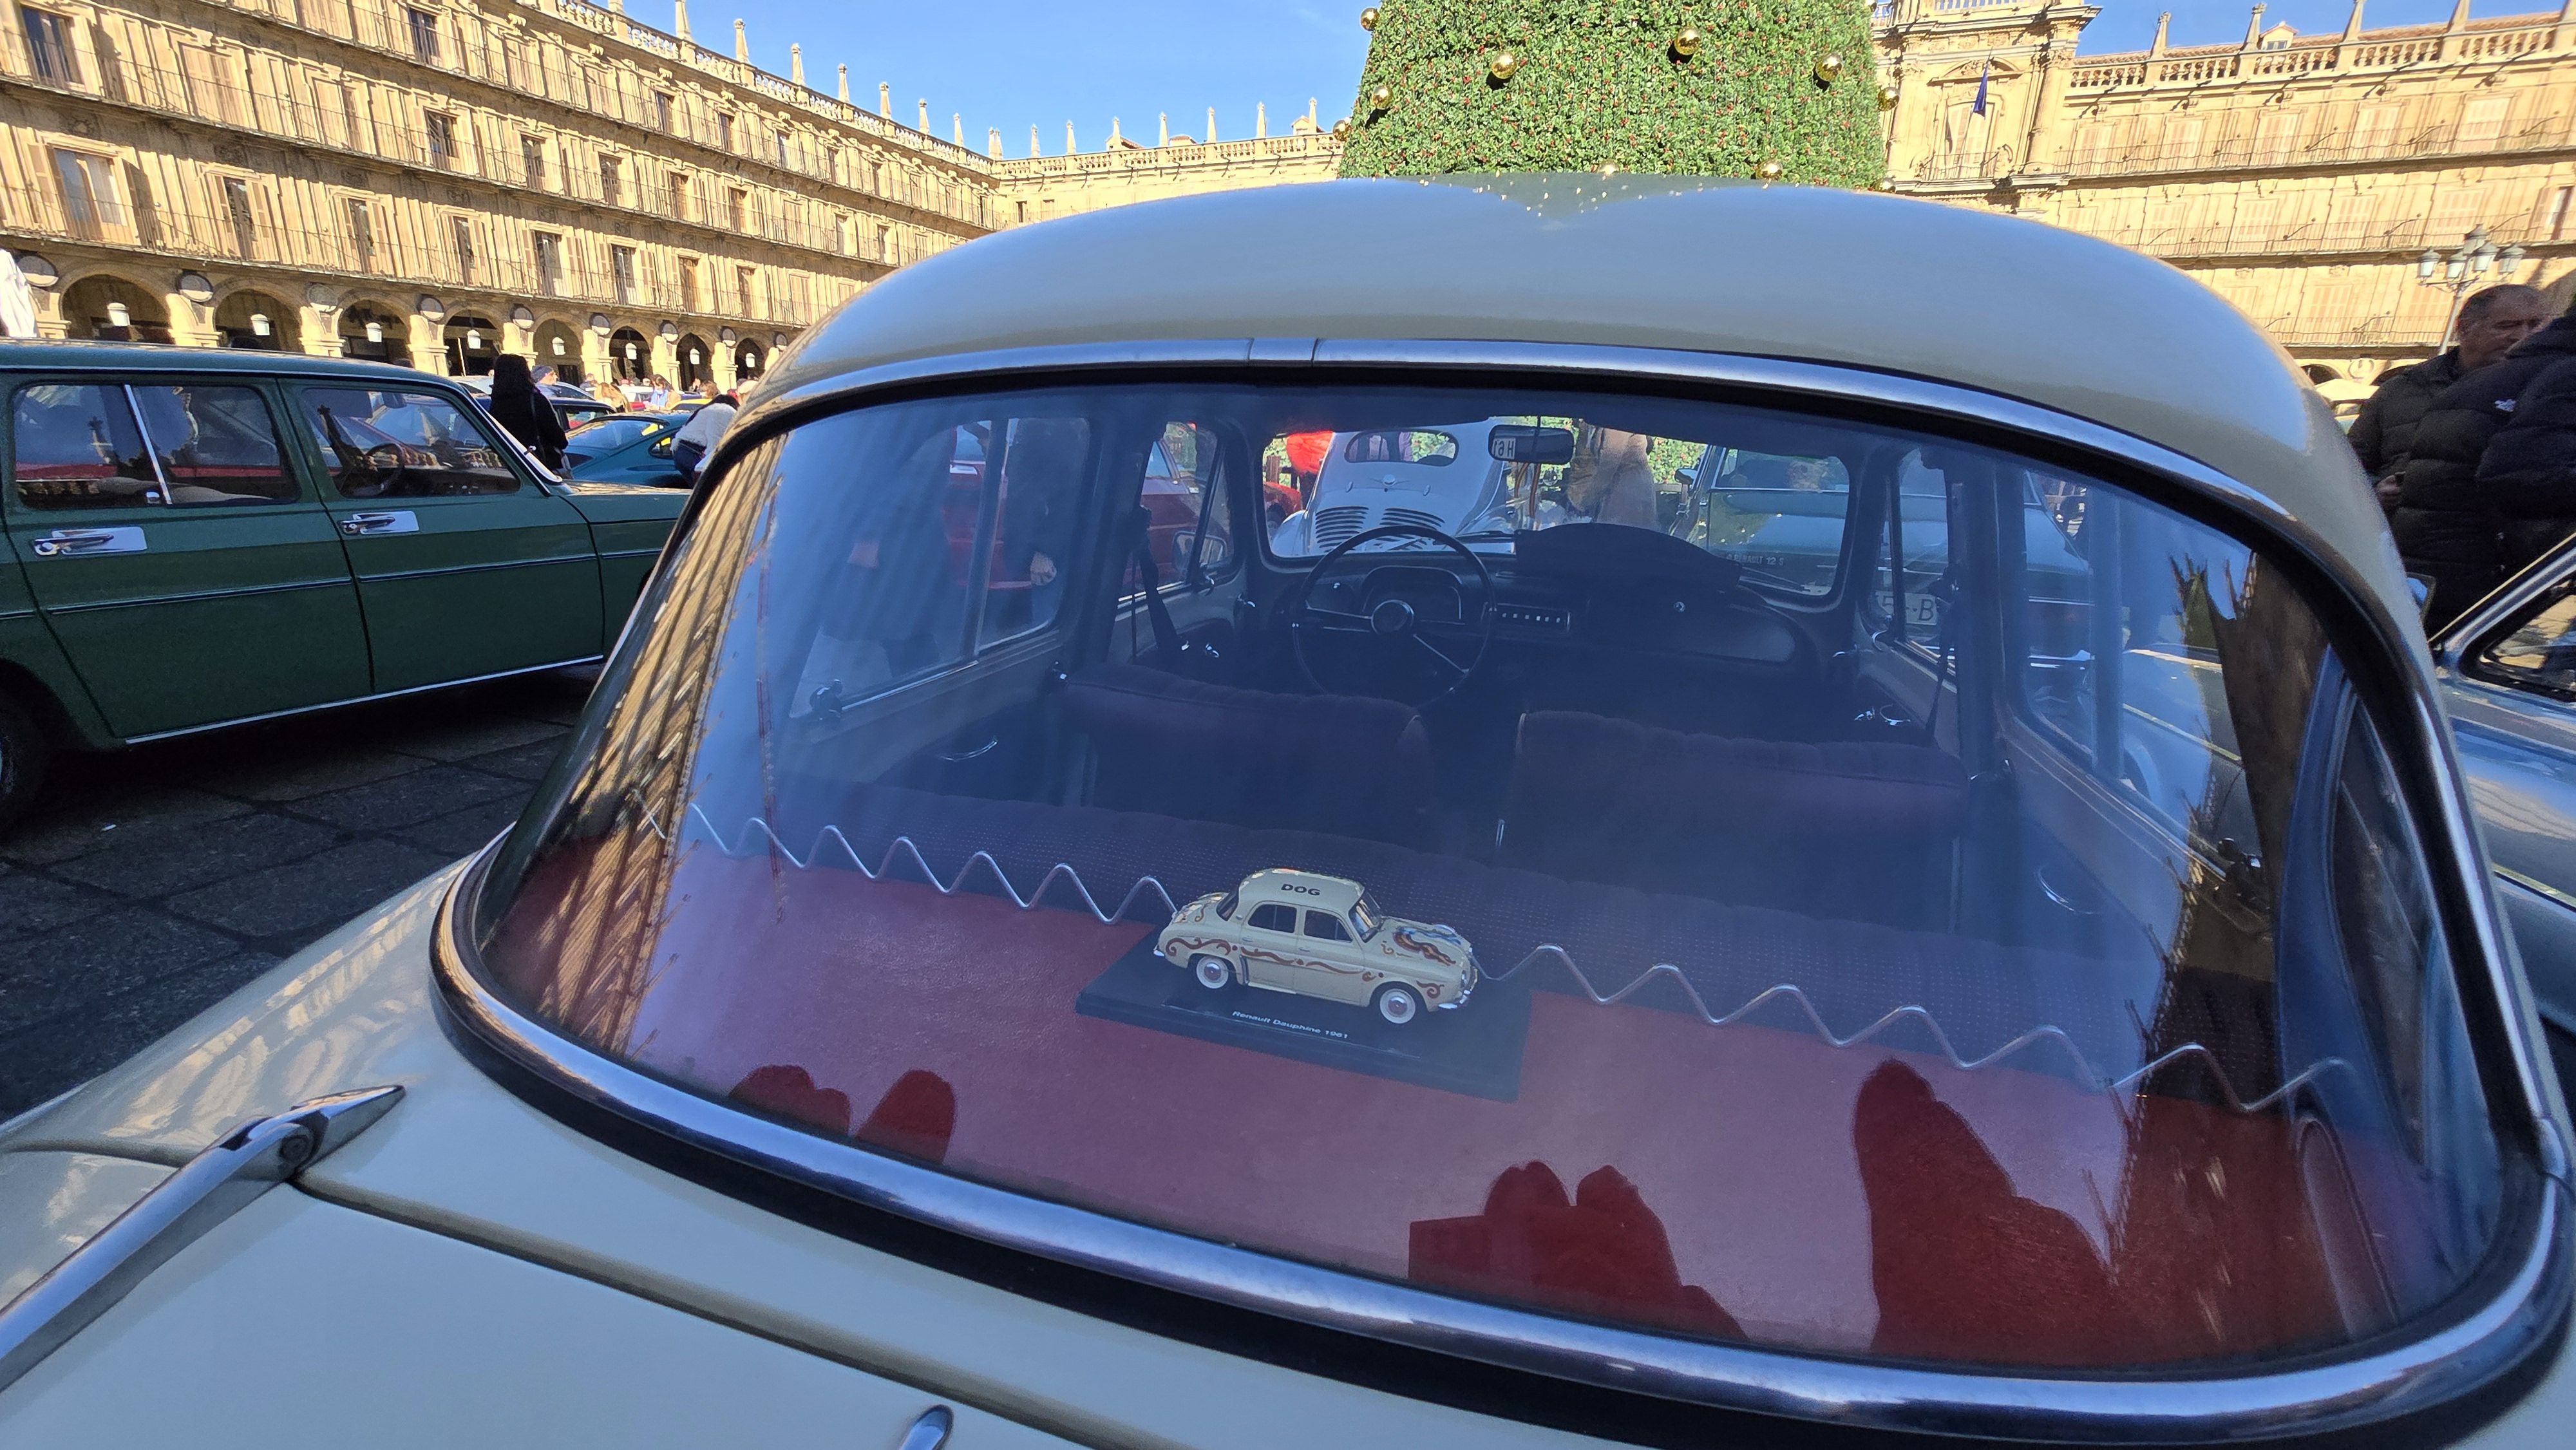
(464, 1158)
(603, 502)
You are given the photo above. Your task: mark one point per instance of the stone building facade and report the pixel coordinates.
(436, 181)
(2301, 177)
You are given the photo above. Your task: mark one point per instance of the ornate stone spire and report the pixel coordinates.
(1162, 128)
(2352, 27)
(1070, 147)
(2254, 25)
(885, 100)
(957, 127)
(993, 141)
(680, 18)
(1261, 116)
(845, 85)
(924, 127)
(2164, 23)
(796, 65)
(1210, 137)
(741, 44)
(1033, 140)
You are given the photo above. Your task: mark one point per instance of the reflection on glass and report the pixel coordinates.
(2051, 981)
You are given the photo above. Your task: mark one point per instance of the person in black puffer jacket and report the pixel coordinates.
(2451, 526)
(2492, 321)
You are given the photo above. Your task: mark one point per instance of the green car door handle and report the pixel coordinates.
(127, 540)
(398, 521)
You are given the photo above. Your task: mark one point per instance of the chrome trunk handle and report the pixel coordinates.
(205, 1191)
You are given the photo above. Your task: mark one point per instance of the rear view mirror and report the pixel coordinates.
(1529, 443)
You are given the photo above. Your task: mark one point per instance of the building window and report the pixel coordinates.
(621, 266)
(885, 244)
(424, 34)
(724, 129)
(676, 189)
(362, 234)
(442, 139)
(662, 111)
(532, 160)
(238, 215)
(786, 152)
(608, 181)
(49, 48)
(743, 287)
(1024, 211)
(2558, 212)
(460, 236)
(549, 263)
(738, 209)
(689, 300)
(90, 201)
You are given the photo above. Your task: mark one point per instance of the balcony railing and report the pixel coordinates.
(504, 261)
(2247, 149)
(2354, 330)
(2504, 38)
(2310, 239)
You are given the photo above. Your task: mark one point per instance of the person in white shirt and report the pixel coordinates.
(700, 433)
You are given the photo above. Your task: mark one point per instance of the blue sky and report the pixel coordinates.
(1015, 63)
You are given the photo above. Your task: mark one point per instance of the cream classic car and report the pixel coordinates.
(1285, 930)
(1888, 1067)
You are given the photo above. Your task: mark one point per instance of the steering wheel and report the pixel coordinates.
(1445, 645)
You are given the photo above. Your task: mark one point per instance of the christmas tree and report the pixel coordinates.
(1775, 89)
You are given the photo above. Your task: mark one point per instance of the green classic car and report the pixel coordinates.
(199, 538)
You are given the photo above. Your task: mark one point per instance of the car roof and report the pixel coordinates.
(1332, 893)
(1891, 284)
(59, 355)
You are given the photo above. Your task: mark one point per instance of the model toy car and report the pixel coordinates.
(1320, 936)
(1900, 1064)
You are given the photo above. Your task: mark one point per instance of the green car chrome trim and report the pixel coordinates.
(361, 700)
(629, 553)
(483, 568)
(242, 593)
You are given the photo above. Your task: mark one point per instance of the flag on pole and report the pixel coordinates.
(1978, 106)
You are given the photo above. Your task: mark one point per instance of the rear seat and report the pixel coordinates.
(1345, 764)
(1856, 829)
(1982, 994)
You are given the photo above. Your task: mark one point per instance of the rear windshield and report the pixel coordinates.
(1806, 884)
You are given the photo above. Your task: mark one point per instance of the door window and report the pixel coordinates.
(216, 444)
(393, 443)
(1275, 917)
(1036, 504)
(2538, 650)
(76, 446)
(1324, 926)
(1187, 525)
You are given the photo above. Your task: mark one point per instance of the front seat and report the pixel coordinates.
(1343, 765)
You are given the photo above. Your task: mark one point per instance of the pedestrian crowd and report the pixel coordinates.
(2473, 452)
(523, 401)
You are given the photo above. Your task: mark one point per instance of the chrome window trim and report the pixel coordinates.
(2509, 1307)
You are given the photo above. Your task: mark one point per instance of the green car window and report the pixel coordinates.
(217, 445)
(388, 443)
(75, 446)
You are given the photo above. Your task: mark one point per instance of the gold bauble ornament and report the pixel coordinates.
(1381, 98)
(1342, 129)
(1768, 171)
(1686, 44)
(1368, 19)
(1504, 66)
(1887, 98)
(1829, 69)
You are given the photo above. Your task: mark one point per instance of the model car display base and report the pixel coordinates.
(1474, 1050)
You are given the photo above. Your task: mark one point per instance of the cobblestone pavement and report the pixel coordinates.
(148, 884)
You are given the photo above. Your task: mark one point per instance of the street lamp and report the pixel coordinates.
(2464, 268)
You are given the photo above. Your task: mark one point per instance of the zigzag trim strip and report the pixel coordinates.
(757, 831)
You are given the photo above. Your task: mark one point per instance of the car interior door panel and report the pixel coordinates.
(176, 553)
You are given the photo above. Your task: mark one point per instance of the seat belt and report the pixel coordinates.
(1167, 638)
